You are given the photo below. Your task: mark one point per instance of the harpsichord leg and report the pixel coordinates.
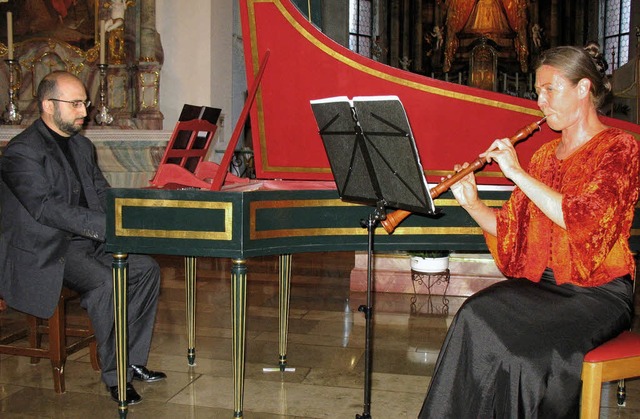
(120, 272)
(285, 293)
(239, 316)
(190, 263)
(284, 271)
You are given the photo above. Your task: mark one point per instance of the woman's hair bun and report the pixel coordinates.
(593, 48)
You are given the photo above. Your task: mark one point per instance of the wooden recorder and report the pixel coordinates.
(396, 217)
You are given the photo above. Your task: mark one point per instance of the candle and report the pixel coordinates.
(102, 42)
(10, 35)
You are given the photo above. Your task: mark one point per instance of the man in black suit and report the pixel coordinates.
(53, 230)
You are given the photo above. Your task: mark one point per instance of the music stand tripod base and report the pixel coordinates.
(282, 366)
(278, 369)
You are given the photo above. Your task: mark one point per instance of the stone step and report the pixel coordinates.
(469, 273)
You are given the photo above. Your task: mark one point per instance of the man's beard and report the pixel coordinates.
(65, 126)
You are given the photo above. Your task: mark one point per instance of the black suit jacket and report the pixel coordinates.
(39, 196)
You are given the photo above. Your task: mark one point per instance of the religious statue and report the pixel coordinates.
(118, 7)
(437, 34)
(115, 26)
(377, 48)
(405, 62)
(536, 36)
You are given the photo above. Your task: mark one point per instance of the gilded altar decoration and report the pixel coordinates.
(487, 18)
(492, 19)
(483, 66)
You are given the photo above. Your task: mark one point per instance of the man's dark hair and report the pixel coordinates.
(48, 87)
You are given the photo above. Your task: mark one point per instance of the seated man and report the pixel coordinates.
(53, 228)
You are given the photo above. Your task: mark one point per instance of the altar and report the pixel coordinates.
(112, 46)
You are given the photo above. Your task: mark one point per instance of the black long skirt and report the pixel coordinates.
(515, 349)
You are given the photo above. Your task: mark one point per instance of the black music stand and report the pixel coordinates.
(374, 161)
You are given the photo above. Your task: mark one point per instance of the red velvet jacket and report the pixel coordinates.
(599, 183)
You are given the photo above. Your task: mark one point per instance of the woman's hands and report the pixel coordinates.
(545, 198)
(465, 190)
(503, 152)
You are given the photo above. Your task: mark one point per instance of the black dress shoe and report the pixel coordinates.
(141, 373)
(132, 395)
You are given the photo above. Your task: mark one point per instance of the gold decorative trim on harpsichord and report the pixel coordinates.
(121, 231)
(257, 206)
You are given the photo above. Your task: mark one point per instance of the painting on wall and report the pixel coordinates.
(71, 21)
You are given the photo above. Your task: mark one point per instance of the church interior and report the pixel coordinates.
(143, 60)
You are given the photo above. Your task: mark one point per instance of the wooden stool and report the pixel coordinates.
(616, 359)
(57, 350)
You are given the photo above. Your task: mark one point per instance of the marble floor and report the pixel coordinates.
(326, 348)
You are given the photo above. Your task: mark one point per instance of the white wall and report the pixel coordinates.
(197, 38)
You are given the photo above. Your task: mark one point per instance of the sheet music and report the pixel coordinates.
(372, 152)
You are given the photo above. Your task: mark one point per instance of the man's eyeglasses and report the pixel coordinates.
(75, 103)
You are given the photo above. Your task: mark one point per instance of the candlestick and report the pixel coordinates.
(12, 115)
(10, 35)
(103, 117)
(102, 43)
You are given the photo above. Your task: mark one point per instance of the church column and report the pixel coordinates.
(534, 11)
(381, 30)
(148, 32)
(427, 51)
(394, 32)
(406, 32)
(335, 21)
(418, 36)
(579, 19)
(149, 67)
(554, 30)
